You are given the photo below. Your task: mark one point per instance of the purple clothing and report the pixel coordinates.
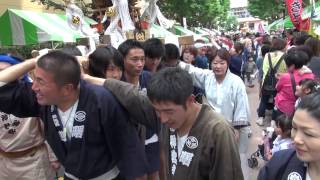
(285, 98)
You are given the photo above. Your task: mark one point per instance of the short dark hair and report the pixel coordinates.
(127, 45)
(101, 58)
(172, 51)
(71, 50)
(211, 54)
(265, 49)
(64, 67)
(224, 54)
(238, 47)
(153, 48)
(278, 44)
(171, 57)
(284, 122)
(310, 84)
(305, 49)
(266, 39)
(314, 44)
(296, 57)
(301, 38)
(311, 103)
(170, 84)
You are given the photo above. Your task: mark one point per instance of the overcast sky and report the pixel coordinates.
(238, 3)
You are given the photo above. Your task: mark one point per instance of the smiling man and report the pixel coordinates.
(84, 124)
(23, 151)
(197, 142)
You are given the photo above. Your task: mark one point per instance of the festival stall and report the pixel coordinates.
(28, 27)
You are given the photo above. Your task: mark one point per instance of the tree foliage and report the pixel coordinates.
(269, 9)
(230, 24)
(205, 13)
(266, 9)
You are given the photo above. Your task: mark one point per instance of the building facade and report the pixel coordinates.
(247, 23)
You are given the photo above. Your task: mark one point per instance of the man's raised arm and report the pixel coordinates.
(16, 71)
(135, 102)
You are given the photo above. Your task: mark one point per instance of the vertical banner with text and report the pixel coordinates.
(295, 10)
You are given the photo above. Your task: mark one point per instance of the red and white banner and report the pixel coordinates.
(295, 10)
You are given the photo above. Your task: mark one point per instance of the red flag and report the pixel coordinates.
(294, 10)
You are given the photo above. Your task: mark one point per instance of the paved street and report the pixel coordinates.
(253, 95)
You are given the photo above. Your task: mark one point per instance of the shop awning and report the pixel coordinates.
(19, 27)
(157, 31)
(201, 31)
(181, 31)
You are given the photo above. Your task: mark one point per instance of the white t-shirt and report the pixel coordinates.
(2, 84)
(308, 176)
(181, 142)
(281, 144)
(67, 118)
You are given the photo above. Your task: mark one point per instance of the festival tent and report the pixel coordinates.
(157, 31)
(200, 31)
(280, 23)
(181, 31)
(19, 27)
(212, 31)
(273, 25)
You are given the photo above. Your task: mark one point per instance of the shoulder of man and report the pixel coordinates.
(99, 91)
(213, 118)
(145, 78)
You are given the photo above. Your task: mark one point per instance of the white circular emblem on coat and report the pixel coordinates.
(80, 116)
(192, 142)
(294, 176)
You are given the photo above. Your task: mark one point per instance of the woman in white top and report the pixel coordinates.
(226, 93)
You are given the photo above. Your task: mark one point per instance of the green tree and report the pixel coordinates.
(230, 24)
(266, 9)
(269, 9)
(198, 12)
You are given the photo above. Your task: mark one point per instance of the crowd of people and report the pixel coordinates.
(149, 111)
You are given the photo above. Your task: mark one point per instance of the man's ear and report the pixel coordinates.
(306, 90)
(191, 99)
(67, 89)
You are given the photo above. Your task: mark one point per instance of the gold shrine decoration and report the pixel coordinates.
(75, 20)
(140, 35)
(111, 12)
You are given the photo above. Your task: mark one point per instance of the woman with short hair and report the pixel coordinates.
(226, 93)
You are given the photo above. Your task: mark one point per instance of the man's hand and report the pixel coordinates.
(55, 165)
(237, 134)
(84, 64)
